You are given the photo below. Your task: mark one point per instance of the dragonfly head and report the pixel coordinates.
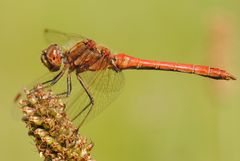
(52, 57)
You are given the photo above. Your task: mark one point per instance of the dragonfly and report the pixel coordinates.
(99, 71)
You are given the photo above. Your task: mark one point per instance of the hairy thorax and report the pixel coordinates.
(82, 58)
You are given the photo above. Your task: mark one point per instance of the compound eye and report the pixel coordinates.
(55, 56)
(52, 57)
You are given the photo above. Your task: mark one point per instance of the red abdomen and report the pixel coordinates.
(128, 62)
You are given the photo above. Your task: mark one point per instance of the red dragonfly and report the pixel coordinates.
(99, 71)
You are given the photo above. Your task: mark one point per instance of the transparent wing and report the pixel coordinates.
(104, 86)
(66, 40)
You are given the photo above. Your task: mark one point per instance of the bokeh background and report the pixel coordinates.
(159, 115)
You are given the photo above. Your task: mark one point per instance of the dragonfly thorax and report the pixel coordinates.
(52, 57)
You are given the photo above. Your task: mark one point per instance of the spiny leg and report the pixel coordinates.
(45, 84)
(89, 105)
(69, 87)
(54, 80)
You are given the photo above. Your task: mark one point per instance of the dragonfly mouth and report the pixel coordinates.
(51, 67)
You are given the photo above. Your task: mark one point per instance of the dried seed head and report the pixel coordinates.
(54, 134)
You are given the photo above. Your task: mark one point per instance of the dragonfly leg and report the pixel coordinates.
(69, 87)
(89, 105)
(55, 79)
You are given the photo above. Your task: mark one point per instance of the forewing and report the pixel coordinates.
(66, 40)
(104, 86)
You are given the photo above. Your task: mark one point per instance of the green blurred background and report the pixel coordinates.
(160, 115)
